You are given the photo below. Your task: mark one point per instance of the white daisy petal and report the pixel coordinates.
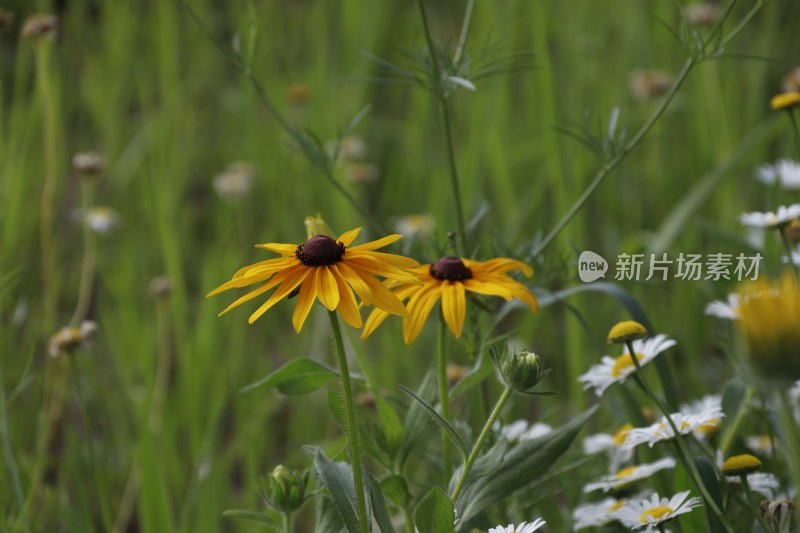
(769, 219)
(524, 527)
(652, 511)
(785, 172)
(662, 430)
(629, 475)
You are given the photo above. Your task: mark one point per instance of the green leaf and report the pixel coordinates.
(253, 517)
(417, 422)
(298, 376)
(336, 407)
(379, 509)
(444, 424)
(391, 426)
(480, 371)
(709, 477)
(338, 479)
(327, 519)
(492, 481)
(435, 513)
(734, 400)
(396, 489)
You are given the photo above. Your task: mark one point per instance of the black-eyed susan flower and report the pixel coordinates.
(329, 270)
(447, 280)
(653, 511)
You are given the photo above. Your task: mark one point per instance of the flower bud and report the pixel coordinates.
(523, 371)
(627, 331)
(286, 489)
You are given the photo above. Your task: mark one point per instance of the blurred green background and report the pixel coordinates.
(140, 82)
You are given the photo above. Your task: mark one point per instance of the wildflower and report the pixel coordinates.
(702, 14)
(456, 373)
(286, 489)
(522, 371)
(785, 100)
(69, 338)
(611, 370)
(724, 309)
(761, 444)
(741, 464)
(791, 82)
(627, 476)
(610, 443)
(785, 173)
(626, 331)
(412, 225)
(781, 217)
(40, 25)
(653, 511)
(88, 164)
(524, 527)
(235, 181)
(596, 514)
(768, 319)
(520, 430)
(649, 84)
(707, 403)
(101, 219)
(662, 430)
(765, 484)
(327, 269)
(448, 279)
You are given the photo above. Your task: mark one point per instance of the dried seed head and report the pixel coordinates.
(298, 94)
(235, 181)
(160, 286)
(649, 84)
(88, 164)
(69, 338)
(791, 82)
(702, 14)
(40, 25)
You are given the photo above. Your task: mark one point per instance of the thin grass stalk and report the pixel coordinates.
(351, 429)
(89, 256)
(8, 453)
(444, 396)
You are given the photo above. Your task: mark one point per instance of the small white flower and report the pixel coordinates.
(707, 403)
(794, 399)
(519, 430)
(783, 215)
(724, 309)
(610, 370)
(101, 219)
(595, 514)
(629, 475)
(411, 225)
(525, 527)
(763, 483)
(651, 512)
(786, 172)
(612, 444)
(795, 258)
(662, 430)
(235, 181)
(761, 444)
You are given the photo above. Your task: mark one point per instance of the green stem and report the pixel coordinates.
(462, 38)
(89, 256)
(789, 251)
(796, 131)
(409, 519)
(473, 455)
(751, 502)
(444, 396)
(451, 158)
(8, 451)
(683, 451)
(352, 431)
(287, 522)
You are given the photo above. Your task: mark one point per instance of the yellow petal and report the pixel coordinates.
(376, 267)
(380, 243)
(521, 292)
(291, 282)
(261, 290)
(399, 261)
(500, 265)
(483, 287)
(348, 307)
(264, 266)
(375, 319)
(381, 296)
(454, 306)
(285, 249)
(327, 291)
(419, 307)
(348, 237)
(355, 281)
(305, 300)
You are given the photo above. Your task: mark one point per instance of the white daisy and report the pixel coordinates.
(610, 370)
(783, 215)
(235, 181)
(763, 483)
(651, 512)
(761, 444)
(519, 430)
(101, 219)
(724, 309)
(705, 404)
(662, 430)
(794, 259)
(611, 444)
(786, 172)
(595, 514)
(629, 475)
(525, 527)
(412, 225)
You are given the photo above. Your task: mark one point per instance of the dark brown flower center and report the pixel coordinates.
(320, 250)
(450, 268)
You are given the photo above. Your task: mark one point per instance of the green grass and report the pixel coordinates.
(144, 85)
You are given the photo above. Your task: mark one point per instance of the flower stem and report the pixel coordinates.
(751, 502)
(352, 432)
(89, 256)
(287, 522)
(444, 397)
(796, 130)
(473, 455)
(683, 451)
(8, 452)
(790, 252)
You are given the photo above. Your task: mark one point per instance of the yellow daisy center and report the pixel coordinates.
(320, 250)
(616, 505)
(785, 100)
(710, 427)
(625, 472)
(620, 435)
(656, 513)
(624, 361)
(628, 330)
(450, 268)
(740, 464)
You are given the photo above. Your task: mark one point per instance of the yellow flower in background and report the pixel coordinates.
(785, 100)
(327, 269)
(769, 317)
(448, 280)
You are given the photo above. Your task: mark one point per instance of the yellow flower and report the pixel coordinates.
(447, 280)
(626, 331)
(741, 464)
(327, 269)
(785, 100)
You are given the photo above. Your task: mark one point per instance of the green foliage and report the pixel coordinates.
(298, 376)
(435, 513)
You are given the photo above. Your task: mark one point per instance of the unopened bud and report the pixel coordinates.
(286, 489)
(523, 371)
